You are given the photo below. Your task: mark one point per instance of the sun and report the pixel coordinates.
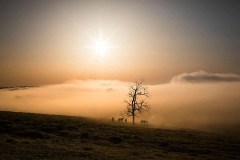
(101, 46)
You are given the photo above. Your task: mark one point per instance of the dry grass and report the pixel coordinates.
(34, 136)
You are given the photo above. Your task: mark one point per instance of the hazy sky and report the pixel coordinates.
(45, 42)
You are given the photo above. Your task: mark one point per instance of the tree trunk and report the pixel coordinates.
(133, 120)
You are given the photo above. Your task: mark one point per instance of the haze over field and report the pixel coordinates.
(196, 100)
(83, 54)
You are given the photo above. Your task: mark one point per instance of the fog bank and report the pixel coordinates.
(176, 104)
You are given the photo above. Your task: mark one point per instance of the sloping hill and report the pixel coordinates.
(35, 136)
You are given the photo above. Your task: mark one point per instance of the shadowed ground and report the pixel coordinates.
(34, 136)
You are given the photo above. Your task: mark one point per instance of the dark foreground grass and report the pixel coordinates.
(34, 136)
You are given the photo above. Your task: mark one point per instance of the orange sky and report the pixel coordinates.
(46, 42)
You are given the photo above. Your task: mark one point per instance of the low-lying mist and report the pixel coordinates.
(176, 104)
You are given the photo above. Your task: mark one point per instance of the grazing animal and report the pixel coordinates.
(143, 122)
(120, 119)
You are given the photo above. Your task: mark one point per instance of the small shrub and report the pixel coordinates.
(115, 140)
(84, 135)
(12, 141)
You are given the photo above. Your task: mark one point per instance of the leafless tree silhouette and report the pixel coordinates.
(136, 101)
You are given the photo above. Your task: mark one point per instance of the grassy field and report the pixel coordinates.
(34, 136)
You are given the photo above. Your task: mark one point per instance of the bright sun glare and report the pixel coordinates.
(101, 46)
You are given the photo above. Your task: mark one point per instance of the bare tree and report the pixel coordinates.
(136, 101)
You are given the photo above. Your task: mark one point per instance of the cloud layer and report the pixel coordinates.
(185, 105)
(204, 77)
